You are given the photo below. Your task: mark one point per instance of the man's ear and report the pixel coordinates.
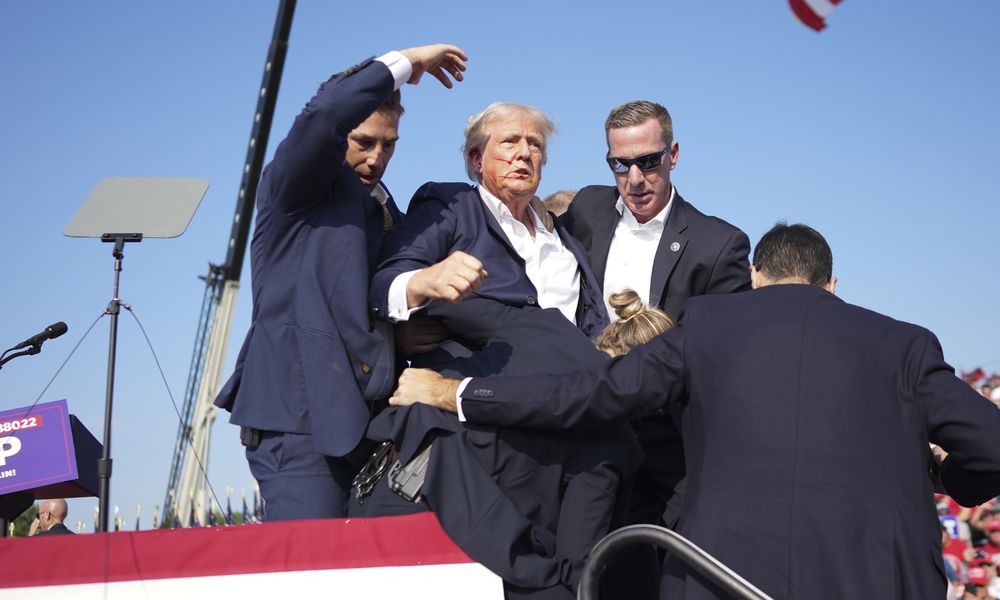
(476, 157)
(754, 278)
(674, 154)
(831, 286)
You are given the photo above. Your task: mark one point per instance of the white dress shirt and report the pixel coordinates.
(399, 66)
(550, 266)
(633, 248)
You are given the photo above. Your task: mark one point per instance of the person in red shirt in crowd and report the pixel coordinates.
(952, 545)
(962, 513)
(977, 586)
(992, 547)
(954, 568)
(979, 524)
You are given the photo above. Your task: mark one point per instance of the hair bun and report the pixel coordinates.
(626, 304)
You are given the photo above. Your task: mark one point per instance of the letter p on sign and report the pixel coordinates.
(9, 446)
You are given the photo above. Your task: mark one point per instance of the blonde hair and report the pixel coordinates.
(636, 324)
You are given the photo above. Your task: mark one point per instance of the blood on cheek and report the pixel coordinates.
(505, 161)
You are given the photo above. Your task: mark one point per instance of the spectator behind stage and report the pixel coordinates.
(557, 203)
(636, 324)
(528, 505)
(977, 586)
(50, 518)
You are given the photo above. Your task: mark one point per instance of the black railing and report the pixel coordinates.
(684, 549)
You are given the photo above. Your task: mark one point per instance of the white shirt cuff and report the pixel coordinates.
(458, 398)
(398, 311)
(399, 66)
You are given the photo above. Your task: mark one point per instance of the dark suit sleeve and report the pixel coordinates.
(647, 378)
(732, 267)
(306, 162)
(426, 237)
(961, 421)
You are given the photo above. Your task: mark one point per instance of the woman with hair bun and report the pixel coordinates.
(636, 324)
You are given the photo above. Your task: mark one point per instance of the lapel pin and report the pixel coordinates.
(675, 247)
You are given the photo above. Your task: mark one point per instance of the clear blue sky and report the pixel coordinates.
(881, 132)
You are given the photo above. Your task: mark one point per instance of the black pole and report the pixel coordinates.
(267, 97)
(259, 133)
(114, 308)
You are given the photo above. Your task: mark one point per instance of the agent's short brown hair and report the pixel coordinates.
(638, 112)
(393, 104)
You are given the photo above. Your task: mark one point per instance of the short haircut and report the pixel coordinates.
(478, 128)
(636, 324)
(557, 203)
(638, 112)
(794, 252)
(393, 104)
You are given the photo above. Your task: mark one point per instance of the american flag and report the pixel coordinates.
(813, 13)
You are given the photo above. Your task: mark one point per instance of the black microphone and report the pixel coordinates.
(51, 332)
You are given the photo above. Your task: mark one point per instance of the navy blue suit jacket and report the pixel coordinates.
(445, 217)
(805, 428)
(711, 255)
(311, 348)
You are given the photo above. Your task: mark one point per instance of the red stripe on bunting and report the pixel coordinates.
(197, 552)
(804, 13)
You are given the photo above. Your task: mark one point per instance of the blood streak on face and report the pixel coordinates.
(510, 166)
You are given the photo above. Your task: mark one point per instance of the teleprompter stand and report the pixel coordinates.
(121, 210)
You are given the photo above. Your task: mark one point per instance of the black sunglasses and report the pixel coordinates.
(646, 162)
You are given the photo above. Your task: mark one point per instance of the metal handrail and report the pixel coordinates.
(727, 580)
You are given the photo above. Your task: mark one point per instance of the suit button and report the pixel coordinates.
(532, 301)
(366, 368)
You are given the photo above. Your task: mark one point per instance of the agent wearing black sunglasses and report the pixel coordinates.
(641, 234)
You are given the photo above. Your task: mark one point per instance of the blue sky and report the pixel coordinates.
(881, 132)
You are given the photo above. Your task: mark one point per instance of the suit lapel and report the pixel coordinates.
(394, 212)
(600, 244)
(493, 225)
(669, 251)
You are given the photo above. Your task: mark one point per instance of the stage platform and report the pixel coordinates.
(390, 557)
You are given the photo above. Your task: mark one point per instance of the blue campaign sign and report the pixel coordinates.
(36, 447)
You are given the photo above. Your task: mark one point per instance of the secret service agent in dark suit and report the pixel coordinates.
(312, 359)
(697, 254)
(529, 505)
(806, 424)
(640, 234)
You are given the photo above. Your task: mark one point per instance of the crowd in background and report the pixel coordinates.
(970, 537)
